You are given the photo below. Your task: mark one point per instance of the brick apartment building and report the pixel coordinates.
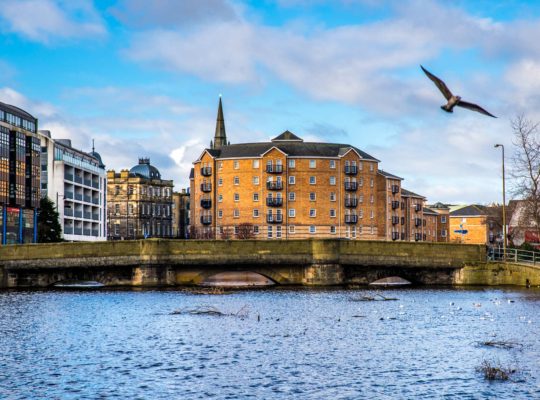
(288, 188)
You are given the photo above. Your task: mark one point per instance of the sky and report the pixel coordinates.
(143, 79)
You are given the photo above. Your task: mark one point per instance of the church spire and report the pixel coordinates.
(220, 138)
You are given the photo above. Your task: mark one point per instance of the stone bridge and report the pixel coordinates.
(159, 262)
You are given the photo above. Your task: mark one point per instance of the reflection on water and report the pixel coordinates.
(294, 344)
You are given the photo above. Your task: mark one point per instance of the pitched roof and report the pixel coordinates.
(429, 211)
(469, 211)
(389, 175)
(408, 193)
(287, 136)
(440, 206)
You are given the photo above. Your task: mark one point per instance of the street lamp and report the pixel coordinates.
(504, 203)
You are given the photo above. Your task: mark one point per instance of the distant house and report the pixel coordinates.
(521, 228)
(476, 224)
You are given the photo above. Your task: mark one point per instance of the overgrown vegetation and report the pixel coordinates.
(495, 371)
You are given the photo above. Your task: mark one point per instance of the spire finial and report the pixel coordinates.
(93, 148)
(220, 137)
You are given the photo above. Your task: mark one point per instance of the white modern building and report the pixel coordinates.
(76, 183)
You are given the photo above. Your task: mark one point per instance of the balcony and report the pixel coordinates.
(77, 231)
(87, 215)
(351, 219)
(87, 232)
(206, 219)
(68, 177)
(206, 203)
(351, 186)
(88, 182)
(395, 205)
(95, 200)
(395, 189)
(78, 214)
(417, 237)
(68, 195)
(95, 185)
(95, 232)
(351, 202)
(277, 185)
(274, 218)
(78, 196)
(351, 169)
(95, 217)
(78, 179)
(206, 171)
(395, 235)
(274, 169)
(88, 199)
(206, 187)
(274, 201)
(68, 212)
(68, 230)
(395, 220)
(418, 207)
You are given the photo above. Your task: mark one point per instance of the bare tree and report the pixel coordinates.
(526, 171)
(245, 231)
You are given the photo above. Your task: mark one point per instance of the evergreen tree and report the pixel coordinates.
(49, 229)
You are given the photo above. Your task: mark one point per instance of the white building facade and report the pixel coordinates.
(76, 182)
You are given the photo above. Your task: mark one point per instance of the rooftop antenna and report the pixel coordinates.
(93, 148)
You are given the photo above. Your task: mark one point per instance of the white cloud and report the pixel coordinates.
(45, 20)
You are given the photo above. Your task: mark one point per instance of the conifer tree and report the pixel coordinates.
(49, 229)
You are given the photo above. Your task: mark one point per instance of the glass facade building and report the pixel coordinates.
(19, 175)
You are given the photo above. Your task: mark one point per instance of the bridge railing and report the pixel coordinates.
(514, 255)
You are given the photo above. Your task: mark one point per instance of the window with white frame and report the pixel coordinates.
(312, 196)
(236, 180)
(255, 163)
(220, 165)
(332, 164)
(269, 231)
(353, 231)
(312, 212)
(371, 214)
(236, 230)
(443, 219)
(220, 198)
(371, 182)
(332, 213)
(361, 182)
(292, 180)
(360, 165)
(312, 229)
(236, 164)
(236, 213)
(443, 233)
(361, 198)
(278, 231)
(292, 163)
(292, 196)
(332, 196)
(371, 199)
(332, 180)
(220, 213)
(256, 212)
(312, 180)
(371, 168)
(361, 214)
(292, 212)
(333, 230)
(291, 229)
(255, 180)
(256, 229)
(312, 163)
(236, 197)
(220, 181)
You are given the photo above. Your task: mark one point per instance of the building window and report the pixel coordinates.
(292, 196)
(255, 180)
(371, 214)
(130, 209)
(312, 196)
(269, 231)
(443, 233)
(220, 198)
(371, 182)
(236, 181)
(220, 213)
(353, 231)
(256, 212)
(236, 197)
(371, 199)
(292, 212)
(332, 212)
(292, 163)
(220, 182)
(220, 165)
(312, 229)
(332, 196)
(371, 166)
(443, 219)
(236, 164)
(312, 180)
(360, 166)
(256, 229)
(361, 214)
(255, 196)
(235, 230)
(312, 163)
(361, 198)
(333, 230)
(117, 190)
(236, 213)
(291, 229)
(332, 164)
(278, 231)
(312, 212)
(332, 180)
(292, 180)
(255, 163)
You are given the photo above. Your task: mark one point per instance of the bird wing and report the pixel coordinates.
(439, 83)
(474, 107)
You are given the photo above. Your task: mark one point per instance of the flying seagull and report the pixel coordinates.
(453, 100)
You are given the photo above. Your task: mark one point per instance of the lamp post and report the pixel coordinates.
(504, 203)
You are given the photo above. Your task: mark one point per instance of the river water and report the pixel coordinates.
(293, 344)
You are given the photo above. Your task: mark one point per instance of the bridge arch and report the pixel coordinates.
(256, 275)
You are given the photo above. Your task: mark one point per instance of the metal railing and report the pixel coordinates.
(514, 255)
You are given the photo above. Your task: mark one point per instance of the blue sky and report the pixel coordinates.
(143, 78)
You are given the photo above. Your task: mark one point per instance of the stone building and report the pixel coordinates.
(139, 203)
(180, 214)
(76, 182)
(288, 188)
(19, 175)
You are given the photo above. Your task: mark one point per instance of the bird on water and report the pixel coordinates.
(454, 100)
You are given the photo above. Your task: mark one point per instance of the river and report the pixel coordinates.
(292, 344)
